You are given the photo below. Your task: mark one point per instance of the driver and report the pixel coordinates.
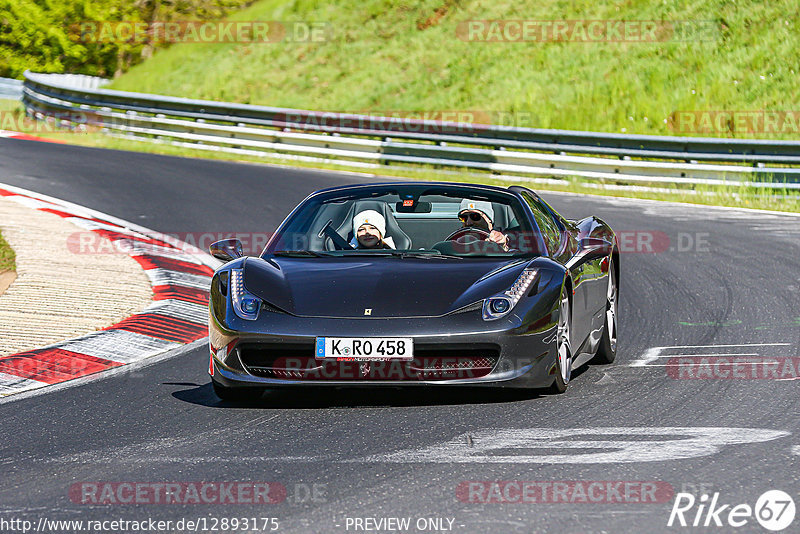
(369, 231)
(479, 214)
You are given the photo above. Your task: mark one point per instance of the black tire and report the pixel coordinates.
(237, 394)
(563, 343)
(607, 350)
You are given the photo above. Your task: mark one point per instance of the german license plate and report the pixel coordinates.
(365, 348)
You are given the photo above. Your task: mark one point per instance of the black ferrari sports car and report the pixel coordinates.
(415, 284)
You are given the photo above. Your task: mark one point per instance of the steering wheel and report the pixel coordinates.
(468, 231)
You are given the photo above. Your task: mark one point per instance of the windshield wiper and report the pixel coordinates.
(386, 253)
(356, 252)
(400, 254)
(301, 253)
(426, 255)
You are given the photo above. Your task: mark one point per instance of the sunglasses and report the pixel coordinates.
(474, 217)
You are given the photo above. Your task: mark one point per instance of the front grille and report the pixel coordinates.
(461, 363)
(266, 354)
(275, 373)
(430, 363)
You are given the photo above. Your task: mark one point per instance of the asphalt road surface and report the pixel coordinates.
(610, 455)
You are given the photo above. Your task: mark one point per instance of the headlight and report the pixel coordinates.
(499, 305)
(245, 305)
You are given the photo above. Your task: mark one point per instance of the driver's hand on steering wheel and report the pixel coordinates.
(498, 237)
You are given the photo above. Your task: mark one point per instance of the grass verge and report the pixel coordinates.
(7, 257)
(385, 56)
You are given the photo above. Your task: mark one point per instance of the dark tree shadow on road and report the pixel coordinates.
(359, 397)
(310, 397)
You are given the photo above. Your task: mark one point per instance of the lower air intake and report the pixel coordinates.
(430, 363)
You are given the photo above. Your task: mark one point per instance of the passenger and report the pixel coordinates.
(479, 214)
(369, 229)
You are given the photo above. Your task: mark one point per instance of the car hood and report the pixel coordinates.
(379, 287)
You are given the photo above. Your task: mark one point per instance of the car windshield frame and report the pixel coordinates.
(309, 219)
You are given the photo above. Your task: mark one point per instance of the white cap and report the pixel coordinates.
(477, 205)
(370, 217)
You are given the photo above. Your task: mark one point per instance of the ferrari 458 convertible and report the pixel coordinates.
(419, 284)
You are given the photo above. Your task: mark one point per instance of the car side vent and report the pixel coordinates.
(270, 308)
(468, 308)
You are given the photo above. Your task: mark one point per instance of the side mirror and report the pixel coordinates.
(226, 249)
(593, 247)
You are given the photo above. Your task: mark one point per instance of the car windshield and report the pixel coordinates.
(408, 221)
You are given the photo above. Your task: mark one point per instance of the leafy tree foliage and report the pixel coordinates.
(45, 36)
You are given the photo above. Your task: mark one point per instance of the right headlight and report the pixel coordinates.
(245, 305)
(497, 306)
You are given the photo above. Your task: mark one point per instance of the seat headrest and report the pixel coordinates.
(393, 230)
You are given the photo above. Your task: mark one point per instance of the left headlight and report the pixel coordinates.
(245, 305)
(499, 305)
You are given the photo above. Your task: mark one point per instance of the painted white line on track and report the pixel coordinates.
(189, 460)
(650, 355)
(750, 212)
(708, 354)
(768, 362)
(580, 445)
(736, 345)
(654, 353)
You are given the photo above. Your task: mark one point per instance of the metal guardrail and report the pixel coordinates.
(77, 81)
(358, 138)
(10, 88)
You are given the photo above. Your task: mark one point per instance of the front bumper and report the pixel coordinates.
(457, 349)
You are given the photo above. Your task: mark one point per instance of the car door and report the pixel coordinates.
(562, 246)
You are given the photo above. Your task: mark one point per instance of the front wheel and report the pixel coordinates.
(563, 346)
(607, 351)
(236, 394)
